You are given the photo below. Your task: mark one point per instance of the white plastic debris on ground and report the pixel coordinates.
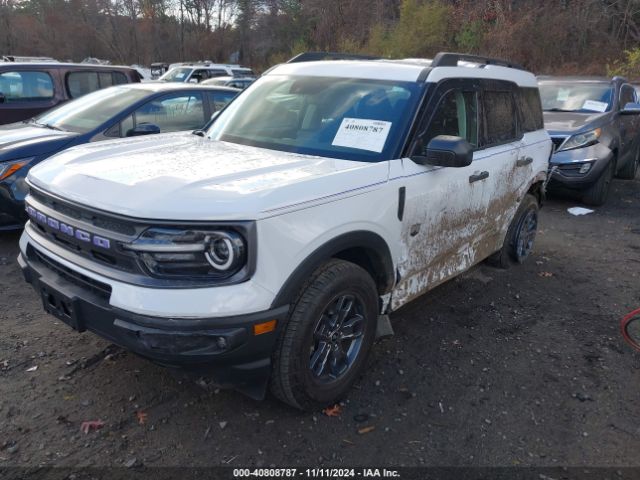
(579, 211)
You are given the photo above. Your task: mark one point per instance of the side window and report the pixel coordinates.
(173, 113)
(106, 80)
(198, 76)
(500, 117)
(627, 95)
(219, 99)
(119, 78)
(25, 86)
(81, 83)
(457, 115)
(530, 109)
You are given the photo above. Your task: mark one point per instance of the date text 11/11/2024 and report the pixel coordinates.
(315, 473)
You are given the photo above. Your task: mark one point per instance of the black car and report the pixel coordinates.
(121, 111)
(595, 128)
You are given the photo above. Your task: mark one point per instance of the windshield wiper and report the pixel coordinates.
(557, 110)
(48, 125)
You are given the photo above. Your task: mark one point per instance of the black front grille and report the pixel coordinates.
(85, 215)
(109, 229)
(101, 289)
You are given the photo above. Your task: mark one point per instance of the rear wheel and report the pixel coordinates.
(630, 170)
(328, 336)
(597, 193)
(518, 243)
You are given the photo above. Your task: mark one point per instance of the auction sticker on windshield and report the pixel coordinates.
(362, 134)
(595, 106)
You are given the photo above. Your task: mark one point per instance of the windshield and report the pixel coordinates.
(576, 97)
(92, 110)
(347, 118)
(242, 72)
(176, 75)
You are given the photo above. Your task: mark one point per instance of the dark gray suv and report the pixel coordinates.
(595, 127)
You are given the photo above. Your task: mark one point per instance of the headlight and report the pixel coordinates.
(9, 168)
(190, 253)
(581, 140)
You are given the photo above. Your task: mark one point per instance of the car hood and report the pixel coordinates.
(19, 140)
(187, 177)
(570, 122)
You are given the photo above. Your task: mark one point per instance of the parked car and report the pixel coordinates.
(595, 128)
(30, 88)
(268, 250)
(158, 69)
(234, 82)
(115, 112)
(198, 72)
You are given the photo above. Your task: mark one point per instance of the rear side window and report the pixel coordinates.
(500, 117)
(119, 78)
(81, 83)
(530, 109)
(219, 99)
(25, 86)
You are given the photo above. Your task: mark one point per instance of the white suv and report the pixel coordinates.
(199, 72)
(268, 249)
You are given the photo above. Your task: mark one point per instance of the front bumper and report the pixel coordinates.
(224, 349)
(567, 163)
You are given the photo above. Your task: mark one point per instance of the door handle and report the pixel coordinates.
(478, 176)
(524, 161)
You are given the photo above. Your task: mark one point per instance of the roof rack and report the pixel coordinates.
(448, 59)
(316, 56)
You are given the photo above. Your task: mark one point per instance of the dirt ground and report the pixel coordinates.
(496, 368)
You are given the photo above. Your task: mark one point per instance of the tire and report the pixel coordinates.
(597, 193)
(519, 240)
(630, 170)
(299, 376)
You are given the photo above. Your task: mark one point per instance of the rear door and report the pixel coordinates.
(501, 157)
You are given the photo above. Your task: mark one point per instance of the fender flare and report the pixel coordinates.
(373, 245)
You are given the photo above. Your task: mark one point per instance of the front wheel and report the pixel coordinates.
(597, 193)
(328, 336)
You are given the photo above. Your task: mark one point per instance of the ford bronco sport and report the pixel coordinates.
(268, 249)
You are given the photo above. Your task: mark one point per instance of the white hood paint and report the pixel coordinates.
(183, 176)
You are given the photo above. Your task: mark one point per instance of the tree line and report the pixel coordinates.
(547, 36)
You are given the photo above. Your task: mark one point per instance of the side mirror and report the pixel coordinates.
(446, 151)
(631, 329)
(631, 109)
(143, 129)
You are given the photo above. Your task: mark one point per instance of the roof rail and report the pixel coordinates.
(448, 59)
(316, 56)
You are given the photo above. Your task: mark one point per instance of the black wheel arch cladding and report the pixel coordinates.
(364, 248)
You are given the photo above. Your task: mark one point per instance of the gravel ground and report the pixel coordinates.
(495, 368)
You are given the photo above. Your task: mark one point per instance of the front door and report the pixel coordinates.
(456, 217)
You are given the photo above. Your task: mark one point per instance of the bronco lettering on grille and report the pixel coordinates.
(68, 230)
